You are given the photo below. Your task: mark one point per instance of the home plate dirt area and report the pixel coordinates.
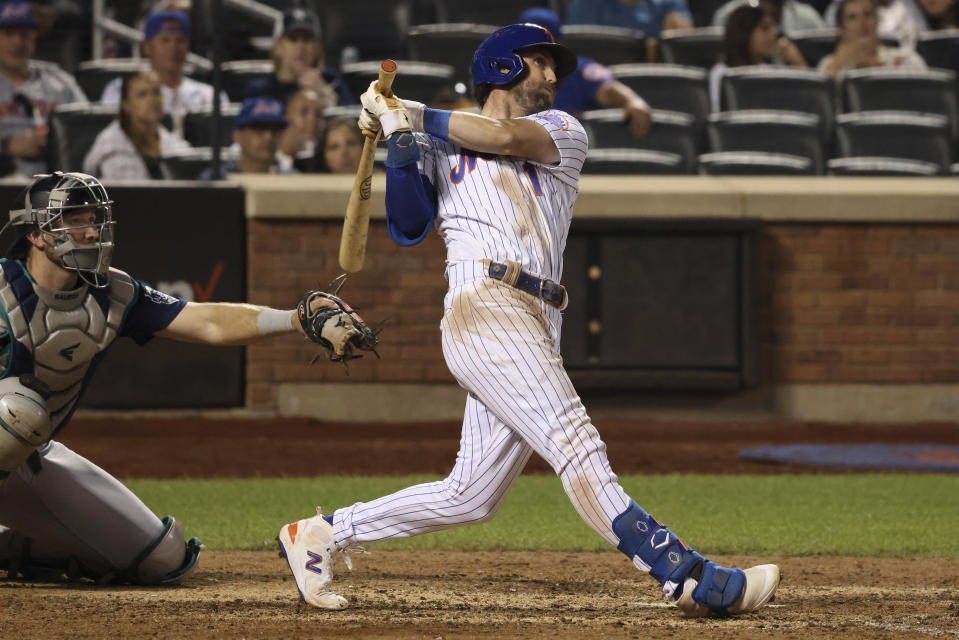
(400, 594)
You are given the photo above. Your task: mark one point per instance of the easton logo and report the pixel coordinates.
(315, 559)
(67, 352)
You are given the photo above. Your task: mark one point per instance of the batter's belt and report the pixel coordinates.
(550, 292)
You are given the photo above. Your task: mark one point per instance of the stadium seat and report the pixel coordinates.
(881, 167)
(606, 45)
(703, 11)
(498, 12)
(198, 126)
(632, 162)
(768, 87)
(351, 111)
(895, 134)
(73, 128)
(672, 132)
(698, 47)
(773, 131)
(94, 75)
(931, 91)
(422, 81)
(237, 74)
(348, 24)
(190, 164)
(448, 44)
(754, 163)
(939, 48)
(815, 44)
(668, 86)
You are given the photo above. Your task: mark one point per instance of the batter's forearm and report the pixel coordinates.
(510, 137)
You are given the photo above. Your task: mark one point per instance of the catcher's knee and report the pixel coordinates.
(168, 559)
(24, 421)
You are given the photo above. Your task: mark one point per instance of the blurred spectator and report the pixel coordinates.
(792, 15)
(131, 147)
(298, 63)
(649, 16)
(901, 20)
(751, 38)
(166, 43)
(941, 14)
(256, 130)
(859, 45)
(29, 92)
(592, 86)
(342, 146)
(298, 142)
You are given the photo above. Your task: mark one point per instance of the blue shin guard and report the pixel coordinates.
(655, 549)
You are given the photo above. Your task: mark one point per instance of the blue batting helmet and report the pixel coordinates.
(499, 52)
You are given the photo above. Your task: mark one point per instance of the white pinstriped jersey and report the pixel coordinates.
(504, 207)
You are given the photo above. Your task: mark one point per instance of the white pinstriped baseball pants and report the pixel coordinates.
(502, 349)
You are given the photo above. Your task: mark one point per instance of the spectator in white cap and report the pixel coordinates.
(166, 43)
(29, 91)
(256, 130)
(298, 63)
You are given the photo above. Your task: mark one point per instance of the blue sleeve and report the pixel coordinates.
(410, 196)
(150, 311)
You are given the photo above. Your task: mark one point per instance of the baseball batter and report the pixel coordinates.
(500, 188)
(61, 307)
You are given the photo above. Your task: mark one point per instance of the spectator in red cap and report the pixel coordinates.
(166, 43)
(29, 91)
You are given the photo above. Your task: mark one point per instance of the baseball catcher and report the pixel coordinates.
(61, 307)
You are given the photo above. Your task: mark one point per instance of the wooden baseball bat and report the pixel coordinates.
(356, 222)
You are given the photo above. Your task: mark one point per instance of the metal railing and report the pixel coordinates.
(104, 26)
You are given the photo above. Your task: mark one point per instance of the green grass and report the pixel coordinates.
(860, 515)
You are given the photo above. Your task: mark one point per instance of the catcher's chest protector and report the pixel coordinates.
(56, 334)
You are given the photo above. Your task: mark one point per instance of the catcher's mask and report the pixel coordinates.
(50, 203)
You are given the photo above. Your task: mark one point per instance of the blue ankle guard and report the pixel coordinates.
(656, 549)
(718, 586)
(640, 536)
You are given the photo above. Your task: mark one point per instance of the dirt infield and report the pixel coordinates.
(484, 595)
(470, 595)
(158, 447)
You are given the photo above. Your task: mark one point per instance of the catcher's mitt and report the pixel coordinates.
(336, 327)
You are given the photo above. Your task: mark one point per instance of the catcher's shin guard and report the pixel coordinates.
(660, 552)
(168, 559)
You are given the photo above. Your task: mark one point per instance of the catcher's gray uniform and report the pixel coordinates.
(59, 511)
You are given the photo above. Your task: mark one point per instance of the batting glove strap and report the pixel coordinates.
(395, 120)
(416, 110)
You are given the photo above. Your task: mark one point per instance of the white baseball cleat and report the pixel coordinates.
(761, 584)
(310, 551)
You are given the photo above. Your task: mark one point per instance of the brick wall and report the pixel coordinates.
(863, 303)
(840, 303)
(405, 285)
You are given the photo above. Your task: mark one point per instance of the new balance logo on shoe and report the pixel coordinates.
(316, 559)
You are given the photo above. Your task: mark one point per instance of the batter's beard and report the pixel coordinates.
(532, 99)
